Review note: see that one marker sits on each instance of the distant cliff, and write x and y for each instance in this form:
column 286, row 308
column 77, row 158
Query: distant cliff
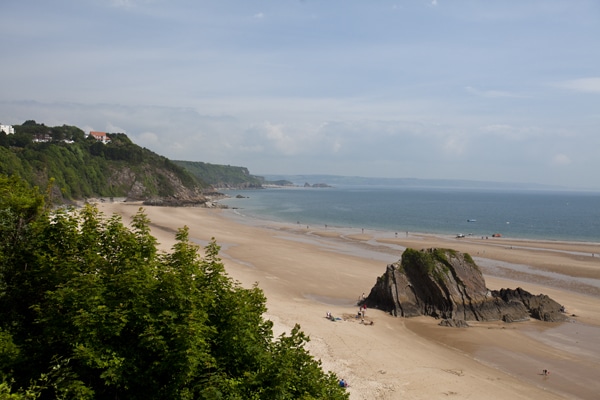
column 317, row 185
column 222, row 176
column 446, row 284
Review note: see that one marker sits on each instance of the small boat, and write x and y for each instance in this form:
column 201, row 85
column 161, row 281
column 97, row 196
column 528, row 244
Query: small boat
column 471, row 220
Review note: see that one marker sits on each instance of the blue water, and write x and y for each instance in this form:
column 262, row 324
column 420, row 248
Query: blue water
column 547, row 215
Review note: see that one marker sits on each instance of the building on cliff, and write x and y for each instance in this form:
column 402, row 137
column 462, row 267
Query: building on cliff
column 100, row 136
column 8, row 129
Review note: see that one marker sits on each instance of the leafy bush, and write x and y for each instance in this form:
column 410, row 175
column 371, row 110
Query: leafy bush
column 90, row 309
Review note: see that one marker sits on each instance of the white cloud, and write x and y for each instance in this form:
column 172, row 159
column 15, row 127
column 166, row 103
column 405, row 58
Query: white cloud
column 122, row 3
column 499, row 128
column 128, row 4
column 589, row 85
column 274, row 131
column 491, row 93
column 149, row 138
column 455, row 146
column 513, row 133
column 561, row 159
column 110, row 127
column 277, row 136
column 337, row 145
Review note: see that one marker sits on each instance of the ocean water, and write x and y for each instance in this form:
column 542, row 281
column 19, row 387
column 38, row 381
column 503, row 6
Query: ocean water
column 573, row 216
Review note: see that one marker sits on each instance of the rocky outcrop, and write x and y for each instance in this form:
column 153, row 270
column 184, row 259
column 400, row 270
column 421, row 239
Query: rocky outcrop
column 454, row 323
column 446, row 284
column 316, row 185
column 155, row 186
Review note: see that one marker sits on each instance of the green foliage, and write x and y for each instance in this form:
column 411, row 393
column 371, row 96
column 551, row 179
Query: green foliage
column 433, row 262
column 89, row 309
column 9, row 351
column 296, row 374
column 415, row 257
column 469, row 259
column 83, row 167
column 20, row 205
column 32, row 129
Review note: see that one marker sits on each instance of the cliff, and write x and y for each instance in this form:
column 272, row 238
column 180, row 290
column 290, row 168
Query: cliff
column 446, row 284
column 80, row 167
column 222, row 176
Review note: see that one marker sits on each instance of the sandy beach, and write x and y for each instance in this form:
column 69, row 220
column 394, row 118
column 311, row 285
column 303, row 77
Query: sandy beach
column 307, row 271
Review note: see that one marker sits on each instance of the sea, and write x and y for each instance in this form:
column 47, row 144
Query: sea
column 518, row 213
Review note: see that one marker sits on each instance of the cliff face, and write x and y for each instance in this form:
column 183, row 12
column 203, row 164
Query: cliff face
column 222, row 176
column 447, row 284
column 154, row 186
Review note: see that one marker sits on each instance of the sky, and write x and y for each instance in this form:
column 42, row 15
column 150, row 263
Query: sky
column 504, row 91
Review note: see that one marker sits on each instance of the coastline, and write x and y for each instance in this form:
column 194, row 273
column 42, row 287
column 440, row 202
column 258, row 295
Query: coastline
column 305, row 272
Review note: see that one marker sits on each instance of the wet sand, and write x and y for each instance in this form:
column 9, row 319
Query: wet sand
column 306, row 272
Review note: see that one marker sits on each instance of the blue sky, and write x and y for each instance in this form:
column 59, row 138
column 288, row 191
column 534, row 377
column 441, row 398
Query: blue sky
column 484, row 90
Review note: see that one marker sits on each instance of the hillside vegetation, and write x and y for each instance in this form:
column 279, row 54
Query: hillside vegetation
column 81, row 167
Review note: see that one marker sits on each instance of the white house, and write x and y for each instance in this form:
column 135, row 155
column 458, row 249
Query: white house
column 8, row 129
column 100, row 136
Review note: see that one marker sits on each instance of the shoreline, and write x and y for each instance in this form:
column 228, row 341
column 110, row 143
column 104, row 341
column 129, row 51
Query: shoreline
column 549, row 243
column 485, row 226
column 306, row 272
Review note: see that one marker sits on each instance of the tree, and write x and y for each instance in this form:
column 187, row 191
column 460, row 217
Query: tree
column 90, row 309
column 3, row 139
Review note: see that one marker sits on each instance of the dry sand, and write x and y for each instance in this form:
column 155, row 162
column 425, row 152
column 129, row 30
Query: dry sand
column 307, row 271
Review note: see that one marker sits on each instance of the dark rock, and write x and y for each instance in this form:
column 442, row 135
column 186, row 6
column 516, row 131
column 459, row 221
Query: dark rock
column 316, row 185
column 539, row 307
column 447, row 284
column 454, row 323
